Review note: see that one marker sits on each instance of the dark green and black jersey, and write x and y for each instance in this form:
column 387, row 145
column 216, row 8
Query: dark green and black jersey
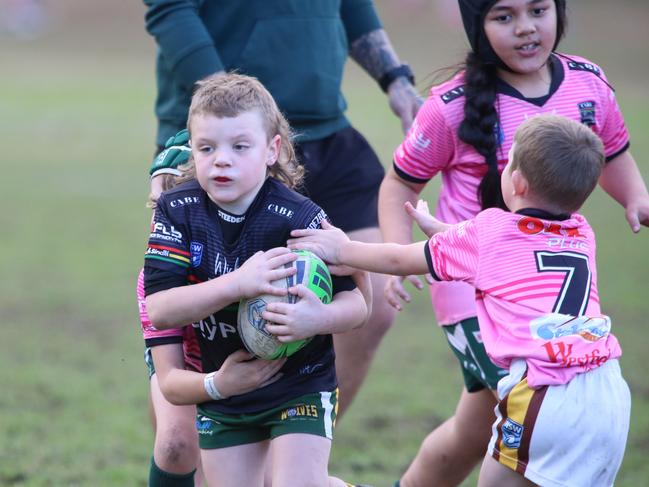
column 187, row 245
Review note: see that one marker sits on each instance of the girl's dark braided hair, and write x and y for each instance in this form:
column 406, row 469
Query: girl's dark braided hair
column 480, row 121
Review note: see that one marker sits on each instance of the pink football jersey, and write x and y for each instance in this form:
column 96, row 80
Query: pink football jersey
column 579, row 91
column 152, row 336
column 536, row 290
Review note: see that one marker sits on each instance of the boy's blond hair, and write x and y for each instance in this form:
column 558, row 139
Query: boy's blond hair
column 560, row 158
column 231, row 94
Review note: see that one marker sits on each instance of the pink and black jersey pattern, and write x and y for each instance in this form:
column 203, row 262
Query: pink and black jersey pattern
column 152, row 336
column 187, row 246
column 578, row 91
column 536, row 290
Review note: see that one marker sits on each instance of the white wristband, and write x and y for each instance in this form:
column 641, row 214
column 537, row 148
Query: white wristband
column 210, row 387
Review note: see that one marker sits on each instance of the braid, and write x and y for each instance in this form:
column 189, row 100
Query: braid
column 480, row 120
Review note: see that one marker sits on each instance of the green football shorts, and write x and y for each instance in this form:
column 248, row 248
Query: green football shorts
column 313, row 414
column 478, row 370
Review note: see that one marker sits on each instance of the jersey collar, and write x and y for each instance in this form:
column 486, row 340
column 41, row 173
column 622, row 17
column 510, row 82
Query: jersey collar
column 542, row 214
column 557, row 75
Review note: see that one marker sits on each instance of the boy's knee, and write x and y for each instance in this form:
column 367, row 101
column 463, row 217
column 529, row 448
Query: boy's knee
column 177, row 453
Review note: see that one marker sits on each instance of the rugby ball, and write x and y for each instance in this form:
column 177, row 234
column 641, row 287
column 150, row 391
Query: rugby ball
column 311, row 272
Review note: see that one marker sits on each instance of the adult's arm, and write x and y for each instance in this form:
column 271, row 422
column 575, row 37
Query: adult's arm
column 370, row 47
column 183, row 40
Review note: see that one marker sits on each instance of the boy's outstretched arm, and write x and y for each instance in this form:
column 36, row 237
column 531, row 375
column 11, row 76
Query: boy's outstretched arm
column 422, row 216
column 334, row 247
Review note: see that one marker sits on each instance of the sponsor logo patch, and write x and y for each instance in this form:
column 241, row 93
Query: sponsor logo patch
column 204, row 425
column 557, row 325
column 196, row 249
column 300, row 411
column 453, row 94
column 187, row 200
column 231, row 218
column 280, row 210
column 587, row 113
column 315, row 223
column 161, row 232
column 579, row 66
column 512, row 433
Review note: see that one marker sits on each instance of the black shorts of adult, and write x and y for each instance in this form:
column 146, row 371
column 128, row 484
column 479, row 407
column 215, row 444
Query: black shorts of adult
column 343, row 176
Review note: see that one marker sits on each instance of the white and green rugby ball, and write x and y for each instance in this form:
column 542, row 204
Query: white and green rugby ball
column 311, row 272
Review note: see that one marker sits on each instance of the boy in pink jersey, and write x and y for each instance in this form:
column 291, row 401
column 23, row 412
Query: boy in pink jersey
column 152, row 336
column 563, row 412
column 464, row 132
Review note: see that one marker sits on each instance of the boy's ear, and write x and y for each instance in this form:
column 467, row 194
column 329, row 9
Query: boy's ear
column 519, row 183
column 273, row 150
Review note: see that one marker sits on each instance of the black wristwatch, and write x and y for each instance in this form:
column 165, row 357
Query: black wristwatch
column 404, row 70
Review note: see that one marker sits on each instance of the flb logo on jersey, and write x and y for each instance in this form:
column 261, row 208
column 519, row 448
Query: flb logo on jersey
column 196, row 249
column 512, row 433
column 587, row 113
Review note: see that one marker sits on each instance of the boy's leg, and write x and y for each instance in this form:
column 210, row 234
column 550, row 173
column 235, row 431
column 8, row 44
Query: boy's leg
column 451, row 451
column 449, row 454
column 494, row 474
column 300, row 459
column 175, row 449
column 235, row 466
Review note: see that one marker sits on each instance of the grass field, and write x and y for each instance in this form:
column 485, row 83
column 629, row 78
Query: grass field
column 76, row 134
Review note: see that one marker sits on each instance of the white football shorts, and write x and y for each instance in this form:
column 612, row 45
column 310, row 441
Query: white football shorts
column 570, row 435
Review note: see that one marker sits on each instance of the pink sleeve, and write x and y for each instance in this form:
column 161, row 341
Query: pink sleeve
column 429, row 144
column 613, row 133
column 453, row 254
column 148, row 330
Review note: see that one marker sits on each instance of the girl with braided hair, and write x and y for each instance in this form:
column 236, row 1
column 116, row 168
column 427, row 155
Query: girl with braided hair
column 464, row 132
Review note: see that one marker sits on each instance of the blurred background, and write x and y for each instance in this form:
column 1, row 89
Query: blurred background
column 76, row 139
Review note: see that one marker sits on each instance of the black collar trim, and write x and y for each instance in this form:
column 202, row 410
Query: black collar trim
column 542, row 214
column 556, row 73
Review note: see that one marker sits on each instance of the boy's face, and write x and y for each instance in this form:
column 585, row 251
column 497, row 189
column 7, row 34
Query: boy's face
column 232, row 156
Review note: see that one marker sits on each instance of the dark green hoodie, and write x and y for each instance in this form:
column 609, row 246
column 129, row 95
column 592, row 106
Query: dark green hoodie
column 297, row 49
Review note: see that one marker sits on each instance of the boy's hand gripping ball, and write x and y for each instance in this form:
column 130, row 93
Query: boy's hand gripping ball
column 311, row 272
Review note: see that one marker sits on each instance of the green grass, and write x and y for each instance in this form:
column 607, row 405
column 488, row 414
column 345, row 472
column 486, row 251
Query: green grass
column 76, row 134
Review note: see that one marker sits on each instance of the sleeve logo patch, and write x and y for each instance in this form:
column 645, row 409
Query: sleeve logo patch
column 453, row 94
column 577, row 66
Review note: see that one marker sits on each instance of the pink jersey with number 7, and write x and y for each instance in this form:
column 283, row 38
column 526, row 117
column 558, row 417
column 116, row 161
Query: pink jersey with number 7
column 536, row 290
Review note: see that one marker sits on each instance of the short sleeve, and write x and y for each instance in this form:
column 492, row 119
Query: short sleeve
column 453, row 255
column 429, row 145
column 167, row 255
column 613, row 133
column 359, row 17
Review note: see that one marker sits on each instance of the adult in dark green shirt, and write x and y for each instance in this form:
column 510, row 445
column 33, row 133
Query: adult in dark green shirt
column 297, row 49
